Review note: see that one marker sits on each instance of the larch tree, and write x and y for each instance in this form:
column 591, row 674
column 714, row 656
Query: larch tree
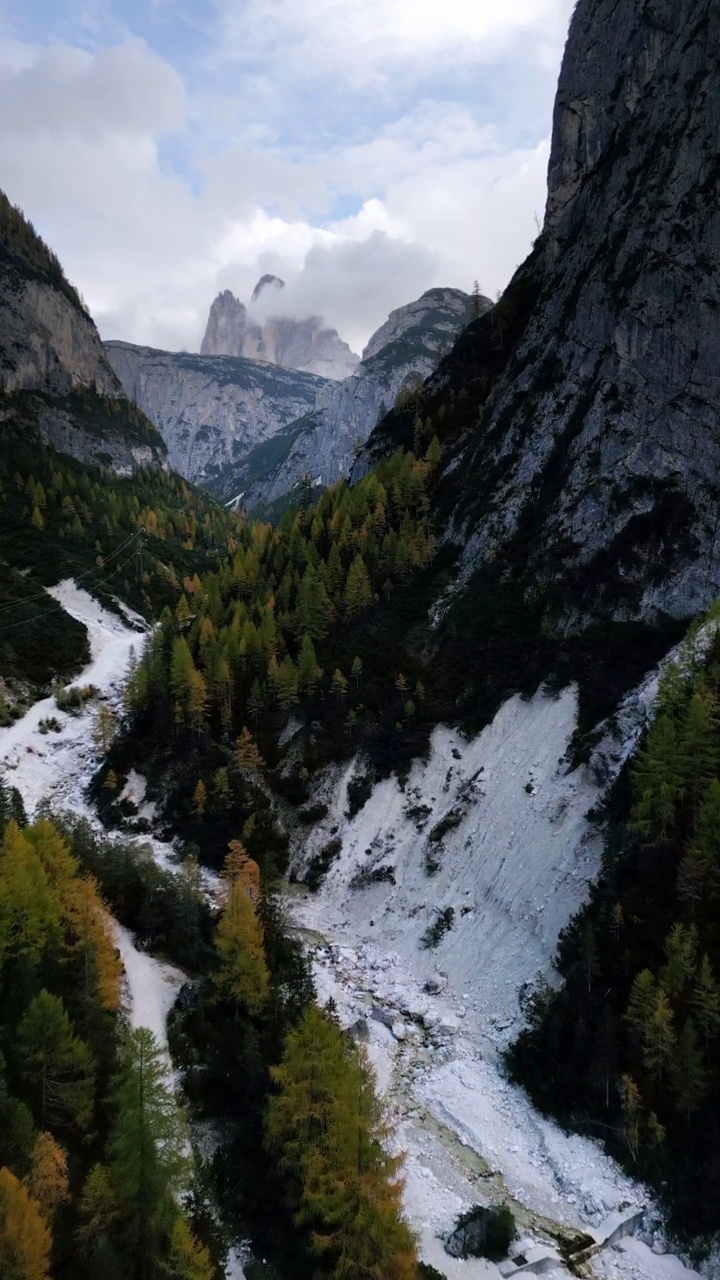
column 48, row 1181
column 25, row 1239
column 242, row 976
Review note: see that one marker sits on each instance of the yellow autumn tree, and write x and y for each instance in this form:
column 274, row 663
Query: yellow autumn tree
column 25, row 1239
column 189, row 1259
column 242, row 974
column 240, row 868
column 48, row 1181
column 90, row 938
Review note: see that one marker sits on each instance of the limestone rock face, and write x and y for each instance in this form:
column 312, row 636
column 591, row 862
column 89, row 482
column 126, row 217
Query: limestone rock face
column 403, row 351
column 211, row 410
column 306, row 345
column 594, row 469
column 53, row 369
column 227, row 326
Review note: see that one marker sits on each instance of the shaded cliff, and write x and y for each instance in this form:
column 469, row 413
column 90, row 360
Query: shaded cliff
column 592, row 468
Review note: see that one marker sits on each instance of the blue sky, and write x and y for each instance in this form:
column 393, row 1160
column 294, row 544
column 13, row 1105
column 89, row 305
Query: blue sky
column 363, row 149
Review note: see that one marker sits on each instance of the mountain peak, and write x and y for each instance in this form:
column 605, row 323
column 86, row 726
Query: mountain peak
column 266, row 282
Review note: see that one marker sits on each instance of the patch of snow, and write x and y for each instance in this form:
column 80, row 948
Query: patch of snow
column 501, row 822
column 152, row 986
column 50, row 765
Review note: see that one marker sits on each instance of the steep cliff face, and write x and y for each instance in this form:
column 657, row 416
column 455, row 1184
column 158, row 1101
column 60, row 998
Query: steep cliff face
column 592, row 470
column 402, row 352
column 211, row 410
column 53, row 369
column 306, row 345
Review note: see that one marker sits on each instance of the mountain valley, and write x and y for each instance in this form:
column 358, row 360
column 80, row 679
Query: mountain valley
column 360, row 748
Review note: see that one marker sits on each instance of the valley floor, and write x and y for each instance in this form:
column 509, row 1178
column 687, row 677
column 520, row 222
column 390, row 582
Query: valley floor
column 470, row 1136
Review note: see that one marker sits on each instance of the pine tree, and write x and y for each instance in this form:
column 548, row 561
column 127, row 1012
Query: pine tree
column 681, row 950
column 308, row 669
column 338, row 685
column 705, row 1000
column 242, row 974
column 356, row 670
column 689, row 1078
column 657, row 779
column 328, row 1130
column 642, row 1000
column 146, row 1162
column 287, row 684
column 29, row 915
column 358, row 591
column 55, row 1063
column 240, row 868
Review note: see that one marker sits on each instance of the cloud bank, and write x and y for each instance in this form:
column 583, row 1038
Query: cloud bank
column 362, row 152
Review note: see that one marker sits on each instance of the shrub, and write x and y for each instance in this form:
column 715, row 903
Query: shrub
column 312, row 813
column 448, row 823
column 483, row 1233
column 359, row 792
column 73, row 699
column 437, row 930
column 321, row 862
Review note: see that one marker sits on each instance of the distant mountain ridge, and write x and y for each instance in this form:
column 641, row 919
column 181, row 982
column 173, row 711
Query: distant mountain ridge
column 211, row 410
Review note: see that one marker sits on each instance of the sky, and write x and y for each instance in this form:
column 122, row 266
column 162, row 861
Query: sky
column 364, row 150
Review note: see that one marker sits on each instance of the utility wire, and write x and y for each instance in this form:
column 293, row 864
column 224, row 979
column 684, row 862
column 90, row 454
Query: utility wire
column 24, row 622
column 80, row 577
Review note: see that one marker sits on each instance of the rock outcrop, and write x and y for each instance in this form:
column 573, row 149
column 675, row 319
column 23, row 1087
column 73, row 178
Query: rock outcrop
column 592, row 472
column 53, row 367
column 306, row 345
column 403, row 352
column 212, row 410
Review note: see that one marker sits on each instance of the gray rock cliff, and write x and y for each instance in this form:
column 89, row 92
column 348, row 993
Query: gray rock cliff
column 403, row 351
column 306, row 345
column 211, row 410
column 53, row 368
column 593, row 471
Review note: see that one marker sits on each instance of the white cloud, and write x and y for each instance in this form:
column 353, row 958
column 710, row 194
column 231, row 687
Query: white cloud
column 155, row 197
column 363, row 41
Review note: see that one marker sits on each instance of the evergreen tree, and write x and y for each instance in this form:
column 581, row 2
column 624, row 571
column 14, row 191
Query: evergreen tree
column 689, row 1078
column 657, row 777
column 358, row 592
column 146, row 1161
column 55, row 1063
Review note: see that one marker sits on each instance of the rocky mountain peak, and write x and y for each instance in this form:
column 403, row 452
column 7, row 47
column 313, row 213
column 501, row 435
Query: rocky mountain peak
column 265, row 282
column 226, row 326
column 306, row 345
